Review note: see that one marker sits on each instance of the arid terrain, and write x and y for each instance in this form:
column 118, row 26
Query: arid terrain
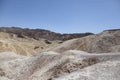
column 27, row 54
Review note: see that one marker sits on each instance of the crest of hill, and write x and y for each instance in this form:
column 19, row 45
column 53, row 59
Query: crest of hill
column 41, row 33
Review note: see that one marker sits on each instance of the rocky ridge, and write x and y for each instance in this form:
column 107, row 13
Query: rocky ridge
column 41, row 33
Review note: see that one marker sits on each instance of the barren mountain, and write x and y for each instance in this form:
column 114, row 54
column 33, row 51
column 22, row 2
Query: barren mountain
column 41, row 33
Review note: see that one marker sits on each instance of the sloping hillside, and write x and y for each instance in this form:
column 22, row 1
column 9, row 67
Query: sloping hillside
column 24, row 46
column 107, row 41
column 72, row 65
column 94, row 57
column 31, row 41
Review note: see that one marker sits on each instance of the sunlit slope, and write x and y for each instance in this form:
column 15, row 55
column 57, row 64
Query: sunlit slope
column 24, row 46
column 107, row 41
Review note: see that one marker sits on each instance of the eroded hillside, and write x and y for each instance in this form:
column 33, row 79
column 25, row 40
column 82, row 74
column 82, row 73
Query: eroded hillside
column 31, row 41
column 107, row 41
column 72, row 65
column 94, row 57
column 24, row 46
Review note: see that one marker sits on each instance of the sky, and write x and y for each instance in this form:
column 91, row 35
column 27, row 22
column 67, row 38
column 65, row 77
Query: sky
column 62, row 16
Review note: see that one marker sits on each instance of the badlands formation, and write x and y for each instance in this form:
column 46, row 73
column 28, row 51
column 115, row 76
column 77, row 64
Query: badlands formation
column 93, row 57
column 24, row 46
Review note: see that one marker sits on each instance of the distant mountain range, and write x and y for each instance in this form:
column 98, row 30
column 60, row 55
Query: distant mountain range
column 41, row 33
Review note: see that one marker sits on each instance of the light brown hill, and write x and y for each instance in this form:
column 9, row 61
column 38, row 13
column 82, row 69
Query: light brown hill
column 24, row 46
column 107, row 41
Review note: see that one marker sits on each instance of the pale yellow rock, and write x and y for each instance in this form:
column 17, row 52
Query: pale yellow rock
column 23, row 46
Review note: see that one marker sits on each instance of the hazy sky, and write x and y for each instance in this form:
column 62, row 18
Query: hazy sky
column 64, row 16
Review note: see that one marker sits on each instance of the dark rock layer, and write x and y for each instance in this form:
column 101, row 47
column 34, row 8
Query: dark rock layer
column 41, row 33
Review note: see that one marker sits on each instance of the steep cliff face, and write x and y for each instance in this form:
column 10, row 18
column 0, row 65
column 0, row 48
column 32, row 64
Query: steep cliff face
column 41, row 33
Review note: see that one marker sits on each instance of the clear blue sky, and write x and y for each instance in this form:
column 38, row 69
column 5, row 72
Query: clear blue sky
column 64, row 16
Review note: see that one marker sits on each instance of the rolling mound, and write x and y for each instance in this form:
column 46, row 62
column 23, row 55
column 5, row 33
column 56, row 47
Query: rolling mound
column 72, row 65
column 107, row 41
